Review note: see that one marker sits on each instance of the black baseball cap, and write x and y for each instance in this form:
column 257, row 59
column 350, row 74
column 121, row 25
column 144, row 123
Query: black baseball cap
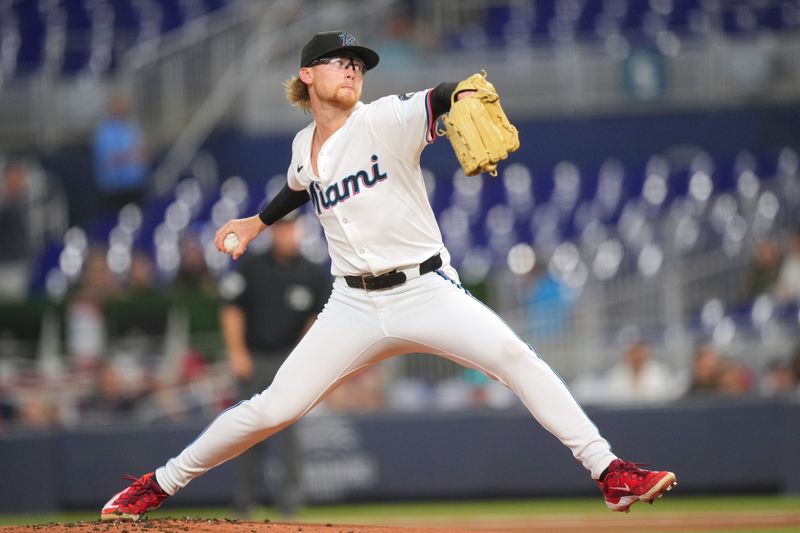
column 331, row 43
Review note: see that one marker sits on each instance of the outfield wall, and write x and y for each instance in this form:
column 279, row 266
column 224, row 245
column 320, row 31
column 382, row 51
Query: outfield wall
column 728, row 446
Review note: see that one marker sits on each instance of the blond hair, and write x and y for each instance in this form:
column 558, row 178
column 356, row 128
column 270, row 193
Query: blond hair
column 297, row 93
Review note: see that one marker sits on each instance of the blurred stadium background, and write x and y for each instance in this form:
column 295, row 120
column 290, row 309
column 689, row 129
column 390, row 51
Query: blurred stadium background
column 645, row 240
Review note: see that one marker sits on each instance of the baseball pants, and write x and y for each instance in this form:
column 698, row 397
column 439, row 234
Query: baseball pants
column 356, row 329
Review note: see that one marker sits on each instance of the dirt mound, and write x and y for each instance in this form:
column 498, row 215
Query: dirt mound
column 202, row 525
column 674, row 522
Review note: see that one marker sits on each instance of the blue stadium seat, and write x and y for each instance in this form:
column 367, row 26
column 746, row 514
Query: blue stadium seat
column 78, row 18
column 635, row 16
column 213, row 5
column 125, row 16
column 545, row 11
column 172, row 15
column 679, row 20
column 552, row 21
column 586, row 24
column 31, row 31
column 604, row 212
column 78, row 44
column 85, row 46
column 497, row 17
column 739, row 19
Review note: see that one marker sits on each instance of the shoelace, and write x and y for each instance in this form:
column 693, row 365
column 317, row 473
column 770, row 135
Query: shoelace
column 140, row 490
column 628, row 466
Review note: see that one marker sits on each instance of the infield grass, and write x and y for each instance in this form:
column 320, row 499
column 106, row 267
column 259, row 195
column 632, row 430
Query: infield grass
column 442, row 512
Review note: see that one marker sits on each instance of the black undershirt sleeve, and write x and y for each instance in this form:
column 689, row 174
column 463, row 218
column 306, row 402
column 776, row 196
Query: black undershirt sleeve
column 440, row 98
column 286, row 201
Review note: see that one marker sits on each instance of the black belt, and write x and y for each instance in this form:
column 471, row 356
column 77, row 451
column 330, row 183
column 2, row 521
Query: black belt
column 395, row 277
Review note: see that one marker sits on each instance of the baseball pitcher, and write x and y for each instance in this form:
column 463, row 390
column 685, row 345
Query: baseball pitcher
column 358, row 165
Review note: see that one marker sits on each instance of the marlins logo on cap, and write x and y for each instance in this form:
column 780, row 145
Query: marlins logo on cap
column 331, row 43
column 347, row 40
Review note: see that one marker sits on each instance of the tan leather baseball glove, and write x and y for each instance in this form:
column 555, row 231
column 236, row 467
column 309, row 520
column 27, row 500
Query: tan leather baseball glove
column 478, row 128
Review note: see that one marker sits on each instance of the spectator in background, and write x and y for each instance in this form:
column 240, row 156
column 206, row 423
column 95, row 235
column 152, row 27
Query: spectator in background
column 120, row 156
column 397, row 47
column 194, row 290
column 15, row 245
column 137, row 317
column 197, row 394
column 364, row 392
column 735, row 379
column 548, row 303
column 780, row 379
column 706, row 371
column 270, row 301
column 141, row 276
column 788, row 285
column 639, row 378
column 194, row 297
column 111, row 400
column 193, row 274
column 85, row 320
column 763, row 272
column 37, row 409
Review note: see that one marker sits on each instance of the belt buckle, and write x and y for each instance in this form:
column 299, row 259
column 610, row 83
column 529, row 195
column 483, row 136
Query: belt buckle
column 371, row 277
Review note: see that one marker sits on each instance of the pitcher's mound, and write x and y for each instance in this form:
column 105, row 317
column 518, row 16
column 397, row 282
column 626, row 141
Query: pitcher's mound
column 204, row 525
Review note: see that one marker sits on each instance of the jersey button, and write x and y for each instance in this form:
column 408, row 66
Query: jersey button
column 344, row 221
column 361, row 251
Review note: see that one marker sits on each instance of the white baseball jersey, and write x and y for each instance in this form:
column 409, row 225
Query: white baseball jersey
column 370, row 195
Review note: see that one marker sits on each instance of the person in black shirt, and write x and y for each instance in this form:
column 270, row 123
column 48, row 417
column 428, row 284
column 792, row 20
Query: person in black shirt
column 270, row 300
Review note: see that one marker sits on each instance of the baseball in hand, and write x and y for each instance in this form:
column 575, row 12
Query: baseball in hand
column 230, row 243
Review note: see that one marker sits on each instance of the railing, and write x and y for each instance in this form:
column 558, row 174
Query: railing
column 169, row 83
column 196, row 93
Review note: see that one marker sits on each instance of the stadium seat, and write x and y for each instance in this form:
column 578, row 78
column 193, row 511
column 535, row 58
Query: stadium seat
column 80, row 36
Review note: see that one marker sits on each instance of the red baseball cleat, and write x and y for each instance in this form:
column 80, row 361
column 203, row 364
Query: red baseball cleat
column 625, row 484
column 142, row 496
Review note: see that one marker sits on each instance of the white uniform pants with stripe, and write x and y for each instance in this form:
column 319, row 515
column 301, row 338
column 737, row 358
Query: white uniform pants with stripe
column 356, row 329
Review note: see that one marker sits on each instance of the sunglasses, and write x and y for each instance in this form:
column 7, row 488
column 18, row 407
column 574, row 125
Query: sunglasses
column 342, row 63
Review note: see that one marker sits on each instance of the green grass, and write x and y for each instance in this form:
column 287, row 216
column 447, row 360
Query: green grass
column 388, row 513
column 516, row 508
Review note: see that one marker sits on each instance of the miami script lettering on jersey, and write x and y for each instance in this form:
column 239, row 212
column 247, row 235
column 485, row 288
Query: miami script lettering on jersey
column 346, row 187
